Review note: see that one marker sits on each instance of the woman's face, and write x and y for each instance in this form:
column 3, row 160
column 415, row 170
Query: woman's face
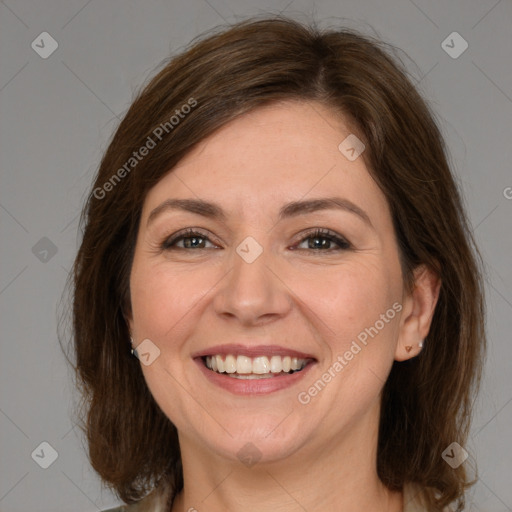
column 254, row 286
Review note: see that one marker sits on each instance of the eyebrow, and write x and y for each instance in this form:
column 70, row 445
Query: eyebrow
column 292, row 209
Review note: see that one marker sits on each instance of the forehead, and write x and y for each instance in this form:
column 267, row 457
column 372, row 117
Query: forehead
column 274, row 154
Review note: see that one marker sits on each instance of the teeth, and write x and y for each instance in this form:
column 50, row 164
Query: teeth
column 251, row 376
column 250, row 368
column 260, row 365
column 243, row 364
column 276, row 365
column 230, row 364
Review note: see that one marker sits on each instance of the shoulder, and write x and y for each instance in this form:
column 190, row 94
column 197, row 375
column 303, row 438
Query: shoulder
column 123, row 508
column 156, row 501
column 414, row 500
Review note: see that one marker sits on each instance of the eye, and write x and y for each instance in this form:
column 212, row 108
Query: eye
column 323, row 239
column 192, row 239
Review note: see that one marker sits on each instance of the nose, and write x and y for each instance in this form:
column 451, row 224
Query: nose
column 252, row 292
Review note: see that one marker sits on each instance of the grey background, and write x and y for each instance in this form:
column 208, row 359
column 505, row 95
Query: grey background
column 57, row 115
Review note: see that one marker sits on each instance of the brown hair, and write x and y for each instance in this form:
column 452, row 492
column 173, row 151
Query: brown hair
column 427, row 401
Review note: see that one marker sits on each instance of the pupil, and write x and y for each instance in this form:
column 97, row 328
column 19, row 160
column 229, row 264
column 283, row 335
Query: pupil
column 323, row 242
column 191, row 241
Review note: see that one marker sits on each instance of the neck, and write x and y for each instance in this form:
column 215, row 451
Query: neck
column 339, row 474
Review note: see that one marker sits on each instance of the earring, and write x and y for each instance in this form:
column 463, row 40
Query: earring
column 408, row 348
column 421, row 343
column 133, row 351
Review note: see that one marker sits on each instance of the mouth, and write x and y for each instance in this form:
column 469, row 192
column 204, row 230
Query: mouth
column 248, row 369
column 253, row 370
column 260, row 367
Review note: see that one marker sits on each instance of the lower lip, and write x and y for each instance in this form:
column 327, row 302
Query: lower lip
column 253, row 386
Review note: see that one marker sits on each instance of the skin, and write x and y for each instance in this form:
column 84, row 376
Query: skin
column 315, row 456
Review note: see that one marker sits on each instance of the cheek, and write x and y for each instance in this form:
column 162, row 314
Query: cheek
column 348, row 298
column 162, row 296
column 341, row 299
column 163, row 302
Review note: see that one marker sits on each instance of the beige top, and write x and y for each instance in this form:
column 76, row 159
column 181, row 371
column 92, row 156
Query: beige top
column 156, row 502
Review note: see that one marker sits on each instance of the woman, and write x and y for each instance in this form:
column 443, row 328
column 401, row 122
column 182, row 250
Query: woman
column 278, row 302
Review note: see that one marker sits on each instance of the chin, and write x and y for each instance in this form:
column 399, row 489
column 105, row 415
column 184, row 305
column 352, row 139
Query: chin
column 261, row 439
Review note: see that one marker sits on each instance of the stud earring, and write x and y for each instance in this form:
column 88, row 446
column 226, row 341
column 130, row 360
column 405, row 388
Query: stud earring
column 408, row 348
column 421, row 343
column 133, row 351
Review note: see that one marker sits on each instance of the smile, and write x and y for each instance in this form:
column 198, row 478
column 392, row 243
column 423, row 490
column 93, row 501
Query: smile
column 248, row 369
column 260, row 367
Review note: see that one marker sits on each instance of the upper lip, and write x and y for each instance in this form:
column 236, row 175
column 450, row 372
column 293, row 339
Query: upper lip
column 252, row 351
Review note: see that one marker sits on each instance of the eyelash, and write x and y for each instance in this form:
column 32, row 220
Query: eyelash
column 169, row 243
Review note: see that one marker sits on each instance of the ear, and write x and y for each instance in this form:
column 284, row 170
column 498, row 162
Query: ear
column 129, row 323
column 126, row 310
column 418, row 311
